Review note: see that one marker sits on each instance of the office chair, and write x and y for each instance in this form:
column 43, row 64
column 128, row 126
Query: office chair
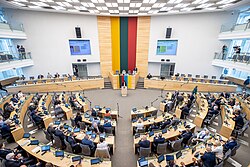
column 47, row 135
column 220, row 164
column 82, row 125
column 68, row 147
column 85, row 150
column 233, row 152
column 176, row 145
column 2, row 162
column 57, row 142
column 189, row 75
column 73, row 124
column 154, row 113
column 102, row 153
column 162, row 148
column 241, row 131
column 227, row 155
column 108, row 130
column 144, row 152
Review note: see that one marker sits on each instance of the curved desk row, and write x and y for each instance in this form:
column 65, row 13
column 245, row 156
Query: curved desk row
column 44, row 80
column 75, row 85
column 245, row 104
column 58, row 161
column 206, row 80
column 172, row 85
column 5, row 100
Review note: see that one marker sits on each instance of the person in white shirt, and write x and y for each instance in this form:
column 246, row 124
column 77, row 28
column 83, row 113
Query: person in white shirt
column 218, row 149
column 102, row 145
column 20, row 94
column 202, row 135
column 236, row 106
column 139, row 124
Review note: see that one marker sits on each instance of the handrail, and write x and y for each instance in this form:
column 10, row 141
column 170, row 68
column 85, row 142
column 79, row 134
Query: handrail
column 235, row 27
column 243, row 57
column 5, row 57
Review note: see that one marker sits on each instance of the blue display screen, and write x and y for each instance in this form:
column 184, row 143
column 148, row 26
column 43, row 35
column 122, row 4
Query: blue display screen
column 166, row 47
column 79, row 47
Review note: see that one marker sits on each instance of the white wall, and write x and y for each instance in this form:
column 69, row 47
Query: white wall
column 48, row 35
column 197, row 36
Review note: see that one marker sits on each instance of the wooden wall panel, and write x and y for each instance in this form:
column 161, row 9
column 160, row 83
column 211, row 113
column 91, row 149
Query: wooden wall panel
column 143, row 33
column 105, row 45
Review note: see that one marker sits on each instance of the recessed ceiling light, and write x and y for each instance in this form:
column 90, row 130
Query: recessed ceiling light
column 205, row 5
column 80, row 7
column 166, row 8
column 58, row 7
column 123, row 1
column 17, row 3
column 145, row 8
column 91, row 4
column 158, row 5
column 149, row 1
column 181, row 5
column 67, row 4
column 39, row 3
column 111, row 4
column 34, row 7
column 46, row 0
column 20, row 1
column 174, row 1
column 225, row 1
column 213, row 8
column 187, row 9
column 137, row 5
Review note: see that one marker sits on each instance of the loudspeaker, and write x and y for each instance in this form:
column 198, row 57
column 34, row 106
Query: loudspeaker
column 84, row 60
column 78, row 60
column 168, row 32
column 78, row 32
column 162, row 60
column 167, row 60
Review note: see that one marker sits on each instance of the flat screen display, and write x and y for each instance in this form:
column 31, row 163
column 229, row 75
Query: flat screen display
column 166, row 47
column 79, row 47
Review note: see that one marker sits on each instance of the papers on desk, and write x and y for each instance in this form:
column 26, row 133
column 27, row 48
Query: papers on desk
column 25, row 143
column 36, row 149
column 80, row 135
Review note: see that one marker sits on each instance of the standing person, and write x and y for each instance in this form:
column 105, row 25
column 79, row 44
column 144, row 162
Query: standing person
column 19, row 51
column 195, row 90
column 1, row 88
column 246, row 82
column 224, row 52
column 75, row 70
column 49, row 75
column 22, row 50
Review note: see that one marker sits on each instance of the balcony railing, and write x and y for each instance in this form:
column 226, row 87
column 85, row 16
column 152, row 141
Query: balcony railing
column 235, row 57
column 7, row 57
column 235, row 27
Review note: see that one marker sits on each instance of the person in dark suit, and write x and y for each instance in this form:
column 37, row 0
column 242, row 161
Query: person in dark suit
column 230, row 144
column 6, row 131
column 165, row 123
column 1, row 88
column 213, row 111
column 184, row 111
column 153, row 127
column 88, row 142
column 51, row 130
column 208, row 159
column 37, row 119
column 75, row 146
column 60, row 134
column 78, row 119
column 8, row 108
column 14, row 99
column 239, row 121
column 4, row 151
column 149, row 76
column 144, row 142
column 158, row 139
column 12, row 161
column 186, row 135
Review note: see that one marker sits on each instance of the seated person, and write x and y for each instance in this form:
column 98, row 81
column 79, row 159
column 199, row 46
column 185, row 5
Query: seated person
column 6, row 131
column 154, row 126
column 14, row 99
column 230, row 144
column 158, row 139
column 88, row 142
column 202, row 136
column 7, row 110
column 13, row 161
column 107, row 123
column 186, row 135
column 218, row 149
column 214, row 111
column 20, row 94
column 139, row 125
column 75, row 146
column 78, row 119
column 149, row 76
column 107, row 114
column 37, row 119
column 144, row 142
column 175, row 121
column 208, row 158
column 96, row 128
column 60, row 134
column 165, row 123
column 51, row 130
column 4, row 151
column 239, row 121
column 102, row 144
column 93, row 113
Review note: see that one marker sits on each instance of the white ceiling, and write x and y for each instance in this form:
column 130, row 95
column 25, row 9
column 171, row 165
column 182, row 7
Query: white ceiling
column 125, row 7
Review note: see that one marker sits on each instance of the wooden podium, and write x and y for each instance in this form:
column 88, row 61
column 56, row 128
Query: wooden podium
column 124, row 91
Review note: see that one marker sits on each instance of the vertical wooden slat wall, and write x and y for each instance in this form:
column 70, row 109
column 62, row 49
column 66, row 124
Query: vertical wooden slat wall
column 143, row 33
column 105, row 44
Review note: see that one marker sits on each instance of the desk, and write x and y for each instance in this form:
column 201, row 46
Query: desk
column 113, row 113
column 84, row 105
column 24, row 108
column 227, row 129
column 171, row 134
column 163, row 103
column 143, row 112
column 67, row 110
column 17, row 133
column 173, row 85
column 131, row 80
column 5, row 100
column 203, row 110
column 245, row 106
column 65, row 162
column 44, row 80
column 59, row 86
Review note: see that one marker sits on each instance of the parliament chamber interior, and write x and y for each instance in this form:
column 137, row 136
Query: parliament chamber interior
column 124, row 83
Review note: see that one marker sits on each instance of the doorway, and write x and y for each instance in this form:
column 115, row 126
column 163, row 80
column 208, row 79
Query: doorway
column 80, row 70
column 167, row 70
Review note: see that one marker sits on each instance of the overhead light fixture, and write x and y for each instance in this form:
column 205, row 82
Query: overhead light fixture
column 39, row 4
column 174, row 1
column 123, row 8
column 145, row 8
column 153, row 11
column 166, row 8
column 149, row 1
column 111, row 4
column 135, row 5
column 58, row 7
column 46, row 0
column 226, row 5
column 18, row 3
column 181, row 5
column 200, row 1
column 67, row 4
column 73, row 10
column 123, row 1
column 80, row 8
column 213, row 8
column 158, row 5
column 205, row 5
column 91, row 4
column 101, row 8
column 187, row 9
column 225, row 1
column 34, row 7
column 173, row 11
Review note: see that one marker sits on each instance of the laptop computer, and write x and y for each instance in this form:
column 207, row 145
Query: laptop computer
column 34, row 142
column 151, row 133
column 26, row 135
column 45, row 148
column 95, row 161
column 169, row 157
column 164, row 131
column 134, row 120
column 65, row 126
column 88, row 132
column 178, row 154
column 141, row 159
column 76, row 158
column 86, row 115
column 160, row 158
column 143, row 163
column 76, row 130
column 102, row 135
column 69, row 129
column 137, row 135
column 145, row 119
column 97, row 106
column 93, row 136
column 57, row 122
column 108, row 109
column 134, row 109
column 59, row 153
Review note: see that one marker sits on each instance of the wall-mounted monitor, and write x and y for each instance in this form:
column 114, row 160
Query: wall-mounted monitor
column 166, row 47
column 79, row 47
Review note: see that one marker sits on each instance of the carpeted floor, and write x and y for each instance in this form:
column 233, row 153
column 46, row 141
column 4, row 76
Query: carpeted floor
column 124, row 153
